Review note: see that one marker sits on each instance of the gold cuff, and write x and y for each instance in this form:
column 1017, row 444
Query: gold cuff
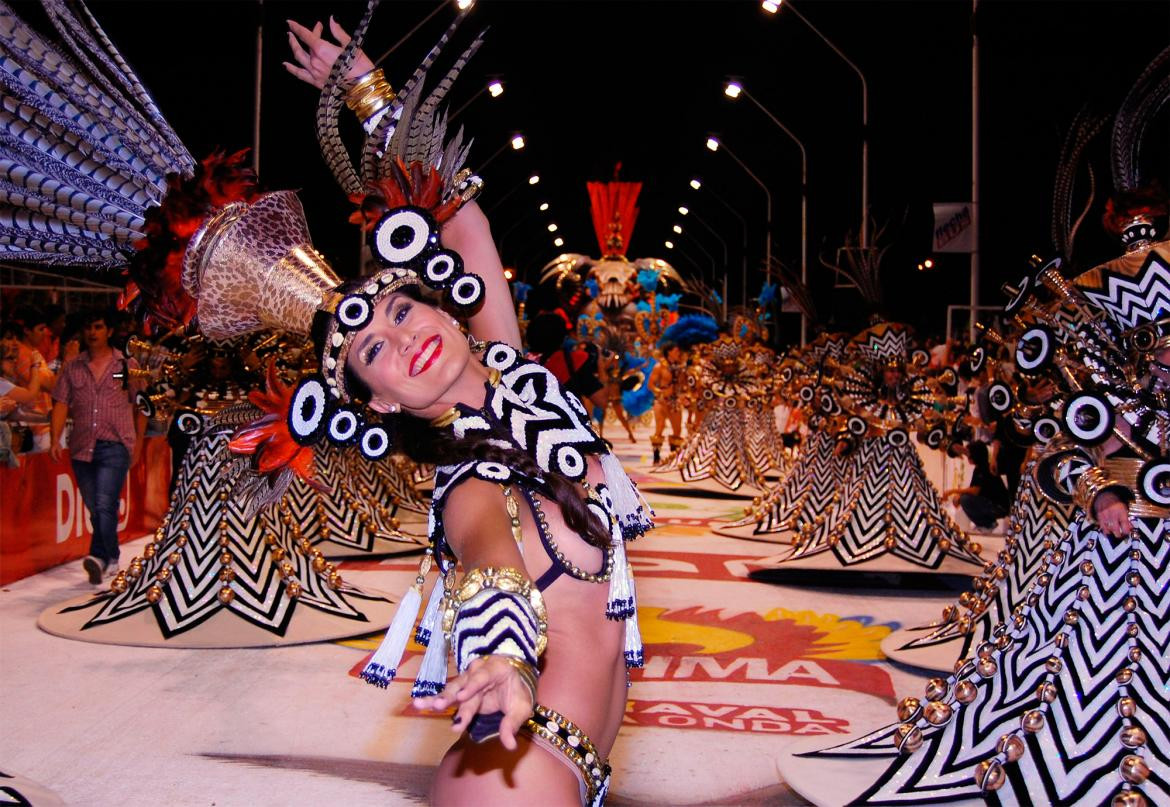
column 502, row 578
column 369, row 95
column 1090, row 485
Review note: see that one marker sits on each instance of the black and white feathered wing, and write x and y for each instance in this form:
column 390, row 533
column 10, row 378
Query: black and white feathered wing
column 84, row 152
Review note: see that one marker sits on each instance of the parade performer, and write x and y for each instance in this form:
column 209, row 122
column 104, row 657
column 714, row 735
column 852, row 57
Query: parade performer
column 1067, row 701
column 886, row 505
column 797, row 501
column 528, row 500
column 95, row 177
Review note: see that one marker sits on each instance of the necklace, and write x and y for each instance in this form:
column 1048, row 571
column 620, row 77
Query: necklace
column 568, row 567
column 453, row 414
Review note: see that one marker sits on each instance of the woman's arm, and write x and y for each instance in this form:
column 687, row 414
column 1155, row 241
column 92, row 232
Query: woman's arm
column 478, row 529
column 469, row 234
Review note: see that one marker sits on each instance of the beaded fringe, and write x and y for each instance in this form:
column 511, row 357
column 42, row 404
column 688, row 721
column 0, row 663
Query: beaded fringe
column 383, row 666
column 433, row 615
column 621, row 603
column 632, row 511
column 432, row 675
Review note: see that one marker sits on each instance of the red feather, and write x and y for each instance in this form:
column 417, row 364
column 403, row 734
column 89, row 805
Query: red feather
column 268, row 438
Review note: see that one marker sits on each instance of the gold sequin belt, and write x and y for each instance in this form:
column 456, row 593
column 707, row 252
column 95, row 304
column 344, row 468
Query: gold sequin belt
column 567, row 738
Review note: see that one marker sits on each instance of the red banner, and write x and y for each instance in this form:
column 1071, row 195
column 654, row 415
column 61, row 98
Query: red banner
column 43, row 522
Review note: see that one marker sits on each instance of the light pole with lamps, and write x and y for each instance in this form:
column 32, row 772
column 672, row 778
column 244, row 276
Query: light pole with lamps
column 532, row 180
column 495, row 87
column 714, row 144
column 697, row 184
column 462, row 5
column 516, row 224
column 517, row 143
column 733, row 89
column 722, row 244
column 772, row 6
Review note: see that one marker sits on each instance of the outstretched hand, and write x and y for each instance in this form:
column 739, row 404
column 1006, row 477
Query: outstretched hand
column 1112, row 515
column 490, row 684
column 315, row 55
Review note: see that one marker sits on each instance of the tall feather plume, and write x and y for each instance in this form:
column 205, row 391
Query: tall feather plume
column 1084, row 128
column 1148, row 94
column 799, row 291
column 329, row 107
column 84, row 153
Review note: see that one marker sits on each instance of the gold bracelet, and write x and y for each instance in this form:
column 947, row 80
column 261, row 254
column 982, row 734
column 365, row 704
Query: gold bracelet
column 369, row 94
column 1090, row 484
column 527, row 674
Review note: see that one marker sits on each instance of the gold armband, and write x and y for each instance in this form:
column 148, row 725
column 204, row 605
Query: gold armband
column 1090, row 485
column 369, row 95
column 504, row 579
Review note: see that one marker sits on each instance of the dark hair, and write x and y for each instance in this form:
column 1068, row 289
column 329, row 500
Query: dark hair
column 977, row 453
column 424, row 444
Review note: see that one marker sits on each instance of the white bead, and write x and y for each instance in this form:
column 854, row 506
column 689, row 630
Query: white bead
column 371, row 288
column 330, row 362
column 337, row 339
column 589, row 759
column 574, row 740
column 552, row 726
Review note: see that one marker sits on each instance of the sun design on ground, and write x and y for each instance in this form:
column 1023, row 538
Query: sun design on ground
column 780, row 634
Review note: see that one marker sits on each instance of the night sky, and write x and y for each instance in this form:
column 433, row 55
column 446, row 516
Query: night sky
column 592, row 84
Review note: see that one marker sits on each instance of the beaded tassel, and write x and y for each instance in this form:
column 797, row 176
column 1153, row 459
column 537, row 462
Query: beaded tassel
column 632, row 511
column 621, row 585
column 432, row 675
column 633, row 643
column 431, row 622
column 383, row 665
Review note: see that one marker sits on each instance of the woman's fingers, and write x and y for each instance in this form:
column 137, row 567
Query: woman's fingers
column 299, row 72
column 309, row 37
column 302, row 56
column 338, row 32
column 519, row 710
column 476, row 682
column 467, row 710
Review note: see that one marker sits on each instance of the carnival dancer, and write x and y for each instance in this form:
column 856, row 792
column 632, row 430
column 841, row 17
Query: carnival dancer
column 97, row 178
column 528, row 499
column 886, row 505
column 1067, row 701
column 797, row 501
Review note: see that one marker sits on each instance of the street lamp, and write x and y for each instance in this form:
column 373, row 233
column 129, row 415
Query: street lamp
column 696, row 183
column 732, row 82
column 677, row 230
column 543, row 206
column 534, row 179
column 714, row 143
column 463, row 6
column 772, row 6
column 517, row 143
column 668, row 244
column 558, row 242
column 552, row 227
column 494, row 87
column 682, row 211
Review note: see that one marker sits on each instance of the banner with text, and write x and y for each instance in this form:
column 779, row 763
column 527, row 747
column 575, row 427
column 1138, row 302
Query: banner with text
column 954, row 227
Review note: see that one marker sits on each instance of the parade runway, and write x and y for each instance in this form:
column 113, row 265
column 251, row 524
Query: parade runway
column 735, row 671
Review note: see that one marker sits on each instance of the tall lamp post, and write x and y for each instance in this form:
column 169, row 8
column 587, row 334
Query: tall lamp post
column 517, row 143
column 773, row 6
column 714, row 144
column 697, row 184
column 494, row 87
column 733, row 90
column 532, row 180
column 684, row 211
column 462, row 5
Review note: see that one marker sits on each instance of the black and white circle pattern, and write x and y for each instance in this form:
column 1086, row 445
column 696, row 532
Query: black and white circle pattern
column 144, row 404
column 856, row 426
column 807, row 394
column 189, row 422
column 1154, row 481
column 345, row 425
column 375, row 442
column 934, row 438
column 897, row 437
column 604, row 495
column 308, row 413
column 1035, row 349
column 1000, row 397
column 1088, row 418
column 354, row 312
column 403, row 235
column 442, row 269
column 1025, row 287
column 977, row 358
column 466, row 292
column 1044, row 429
column 501, row 357
column 568, row 461
column 493, row 471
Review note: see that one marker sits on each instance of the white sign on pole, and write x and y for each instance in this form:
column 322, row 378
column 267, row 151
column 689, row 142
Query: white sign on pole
column 954, row 227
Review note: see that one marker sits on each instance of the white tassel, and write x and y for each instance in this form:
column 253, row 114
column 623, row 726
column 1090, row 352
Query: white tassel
column 432, row 617
column 634, row 656
column 432, row 676
column 382, row 668
column 633, row 513
column 621, row 595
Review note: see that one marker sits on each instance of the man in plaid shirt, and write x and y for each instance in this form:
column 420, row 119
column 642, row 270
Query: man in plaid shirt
column 95, row 390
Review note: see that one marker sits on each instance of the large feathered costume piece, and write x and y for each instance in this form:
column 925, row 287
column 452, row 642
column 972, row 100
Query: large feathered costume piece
column 92, row 175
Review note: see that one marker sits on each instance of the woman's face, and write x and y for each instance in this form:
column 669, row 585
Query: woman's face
column 410, row 355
